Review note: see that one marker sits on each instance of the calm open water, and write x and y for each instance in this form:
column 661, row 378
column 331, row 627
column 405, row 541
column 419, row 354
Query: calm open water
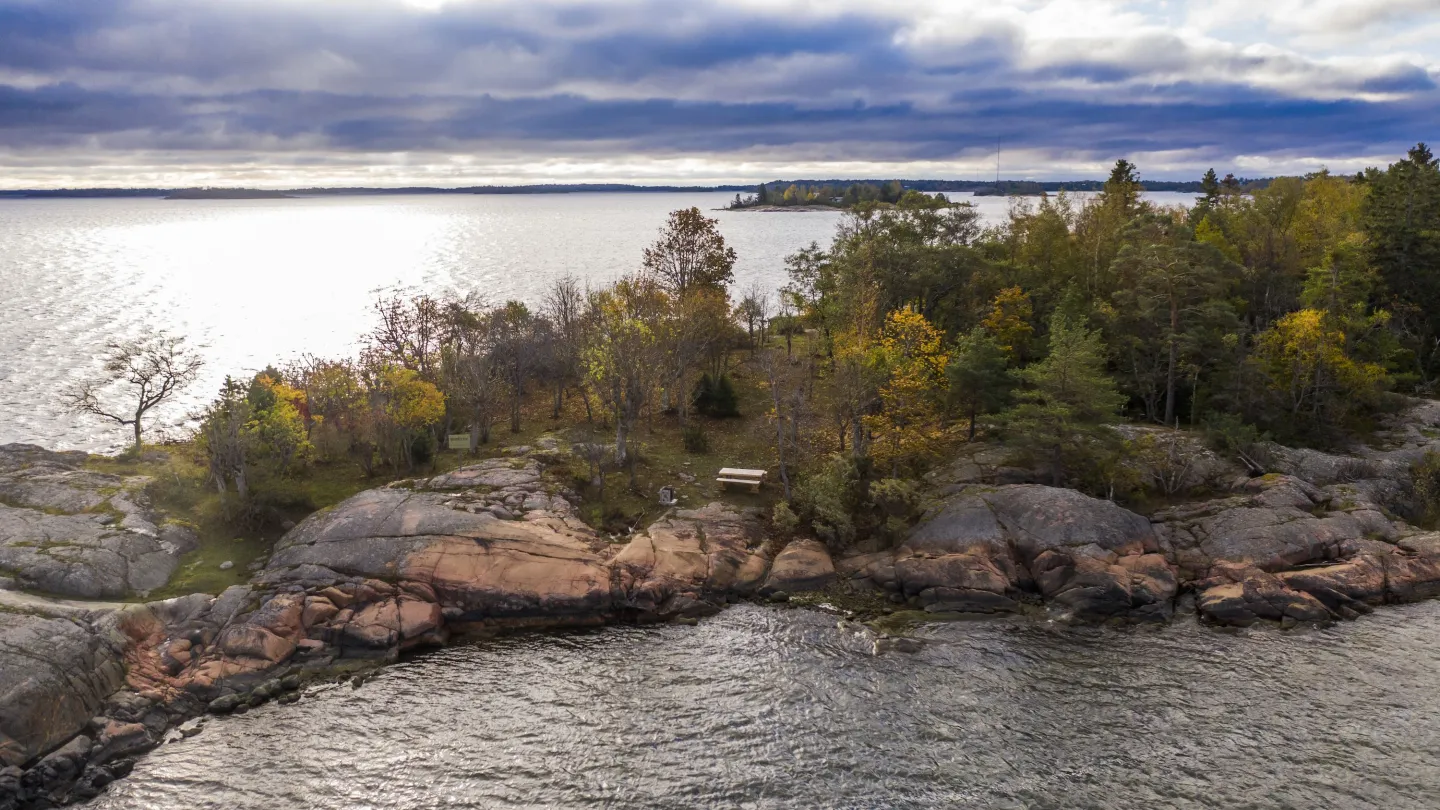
column 260, row 281
column 765, row 708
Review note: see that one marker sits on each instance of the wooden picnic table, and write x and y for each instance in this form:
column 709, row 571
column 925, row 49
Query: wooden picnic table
column 741, row 477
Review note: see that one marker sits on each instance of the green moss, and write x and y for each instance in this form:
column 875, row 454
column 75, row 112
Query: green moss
column 199, row 571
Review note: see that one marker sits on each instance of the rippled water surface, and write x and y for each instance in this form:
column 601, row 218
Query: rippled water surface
column 775, row 709
column 260, row 281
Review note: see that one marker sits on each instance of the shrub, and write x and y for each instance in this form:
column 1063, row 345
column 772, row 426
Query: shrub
column 1425, row 486
column 828, row 499
column 896, row 497
column 1228, row 433
column 703, row 397
column 422, row 448
column 784, row 521
column 723, row 402
column 695, row 439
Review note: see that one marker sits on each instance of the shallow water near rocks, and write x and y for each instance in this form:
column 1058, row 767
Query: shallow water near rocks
column 770, row 708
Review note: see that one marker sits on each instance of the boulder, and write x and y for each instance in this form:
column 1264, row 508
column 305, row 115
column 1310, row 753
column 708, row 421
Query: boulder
column 1278, row 522
column 497, row 473
column 703, row 554
column 485, row 567
column 55, row 674
column 803, row 565
column 984, row 549
column 1244, row 596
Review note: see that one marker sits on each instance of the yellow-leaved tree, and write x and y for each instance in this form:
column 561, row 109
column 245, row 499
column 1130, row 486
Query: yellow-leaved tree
column 403, row 408
column 912, row 354
column 1305, row 362
column 277, row 426
column 1009, row 321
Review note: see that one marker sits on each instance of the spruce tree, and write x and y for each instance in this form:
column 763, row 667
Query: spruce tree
column 1060, row 420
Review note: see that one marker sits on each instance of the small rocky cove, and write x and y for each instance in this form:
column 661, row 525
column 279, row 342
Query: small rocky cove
column 87, row 687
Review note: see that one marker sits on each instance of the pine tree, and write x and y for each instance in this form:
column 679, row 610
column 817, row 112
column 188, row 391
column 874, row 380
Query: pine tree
column 1401, row 220
column 1060, row 421
column 980, row 377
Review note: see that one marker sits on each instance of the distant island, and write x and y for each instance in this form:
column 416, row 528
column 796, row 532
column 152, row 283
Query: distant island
column 828, row 193
column 227, row 194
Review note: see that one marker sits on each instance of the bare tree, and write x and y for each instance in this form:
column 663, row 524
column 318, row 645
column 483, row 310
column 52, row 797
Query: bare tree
column 520, row 339
column 472, row 372
column 147, row 372
column 410, row 330
column 565, row 309
column 785, row 313
column 754, row 311
column 778, row 379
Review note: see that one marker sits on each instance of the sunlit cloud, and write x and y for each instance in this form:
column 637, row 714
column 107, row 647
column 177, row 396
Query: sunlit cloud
column 388, row 92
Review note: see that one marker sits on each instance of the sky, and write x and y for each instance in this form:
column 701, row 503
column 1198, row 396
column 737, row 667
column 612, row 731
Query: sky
column 291, row 93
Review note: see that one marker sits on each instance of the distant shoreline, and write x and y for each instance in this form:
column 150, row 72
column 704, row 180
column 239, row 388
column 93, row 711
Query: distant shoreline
column 787, row 208
column 228, row 194
column 957, row 186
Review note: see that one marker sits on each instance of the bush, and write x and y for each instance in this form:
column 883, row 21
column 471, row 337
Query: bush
column 896, row 497
column 422, row 448
column 695, row 439
column 715, row 398
column 784, row 521
column 828, row 500
column 1425, row 486
column 704, row 395
column 1229, row 434
column 723, row 402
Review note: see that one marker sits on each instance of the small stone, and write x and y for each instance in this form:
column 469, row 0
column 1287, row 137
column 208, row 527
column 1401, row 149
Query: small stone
column 689, row 621
column 779, row 596
column 227, row 565
column 224, row 703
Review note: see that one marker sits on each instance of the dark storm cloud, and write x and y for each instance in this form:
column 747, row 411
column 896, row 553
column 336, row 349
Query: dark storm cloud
column 659, row 78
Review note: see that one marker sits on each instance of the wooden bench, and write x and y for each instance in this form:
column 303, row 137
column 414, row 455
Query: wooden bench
column 750, row 478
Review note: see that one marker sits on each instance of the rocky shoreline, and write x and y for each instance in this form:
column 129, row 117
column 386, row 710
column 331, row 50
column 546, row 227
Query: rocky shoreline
column 86, row 687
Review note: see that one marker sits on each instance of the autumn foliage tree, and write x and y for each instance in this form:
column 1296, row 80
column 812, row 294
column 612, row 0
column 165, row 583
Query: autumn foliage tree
column 909, row 425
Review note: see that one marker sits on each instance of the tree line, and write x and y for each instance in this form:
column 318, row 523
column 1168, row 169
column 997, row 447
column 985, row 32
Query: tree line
column 1301, row 310
column 1297, row 311
column 831, row 195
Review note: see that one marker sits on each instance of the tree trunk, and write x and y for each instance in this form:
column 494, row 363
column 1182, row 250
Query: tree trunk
column 475, row 436
column 974, row 414
column 559, row 400
column 515, row 412
column 138, row 414
column 1170, row 367
column 620, row 431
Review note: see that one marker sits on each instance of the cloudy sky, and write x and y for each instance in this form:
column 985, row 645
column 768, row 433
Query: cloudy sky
column 395, row 92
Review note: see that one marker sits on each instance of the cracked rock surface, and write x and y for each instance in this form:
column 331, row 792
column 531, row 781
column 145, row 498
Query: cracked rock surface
column 76, row 533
